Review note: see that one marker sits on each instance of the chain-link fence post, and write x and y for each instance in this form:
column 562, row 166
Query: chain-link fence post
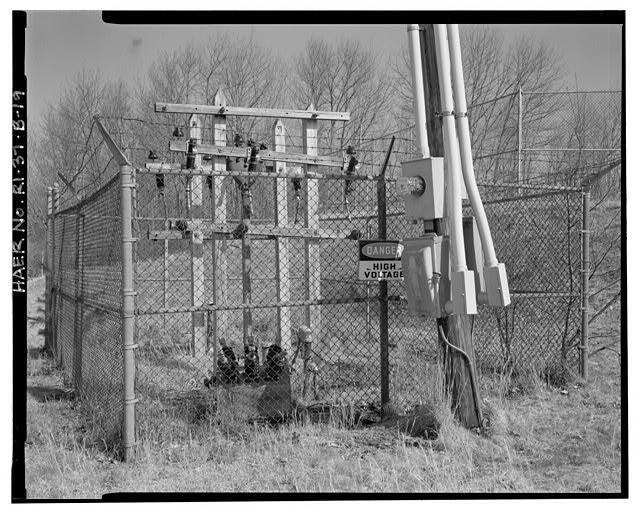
column 384, row 294
column 128, row 307
column 48, row 345
column 78, row 309
column 519, row 138
column 55, row 285
column 586, row 263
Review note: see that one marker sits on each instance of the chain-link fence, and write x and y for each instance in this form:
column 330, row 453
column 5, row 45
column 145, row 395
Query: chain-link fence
column 86, row 303
column 570, row 139
column 245, row 270
column 548, row 138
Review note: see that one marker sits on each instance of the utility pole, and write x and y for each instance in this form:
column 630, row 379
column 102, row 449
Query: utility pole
column 460, row 372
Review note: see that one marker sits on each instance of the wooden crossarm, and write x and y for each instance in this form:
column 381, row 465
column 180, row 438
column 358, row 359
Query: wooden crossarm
column 179, row 108
column 208, row 229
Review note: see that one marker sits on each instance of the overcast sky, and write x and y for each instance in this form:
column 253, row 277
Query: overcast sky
column 60, row 44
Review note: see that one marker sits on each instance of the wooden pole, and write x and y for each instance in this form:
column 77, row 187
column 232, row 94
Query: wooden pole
column 457, row 327
column 219, row 214
column 283, row 334
column 198, row 332
column 431, row 91
column 247, row 316
column 165, row 265
column 312, row 247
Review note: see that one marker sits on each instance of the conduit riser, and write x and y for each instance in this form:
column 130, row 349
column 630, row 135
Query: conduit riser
column 418, row 90
column 464, row 139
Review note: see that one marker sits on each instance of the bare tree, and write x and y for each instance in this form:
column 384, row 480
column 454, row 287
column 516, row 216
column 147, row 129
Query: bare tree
column 66, row 148
column 345, row 78
column 247, row 73
column 493, row 74
column 69, row 149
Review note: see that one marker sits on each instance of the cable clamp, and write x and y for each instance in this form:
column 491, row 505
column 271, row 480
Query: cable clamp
column 131, row 401
column 131, row 347
column 444, row 113
column 458, row 115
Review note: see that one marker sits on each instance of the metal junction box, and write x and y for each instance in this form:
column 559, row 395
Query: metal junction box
column 473, row 251
column 421, row 267
column 424, row 202
column 463, row 293
column 497, row 285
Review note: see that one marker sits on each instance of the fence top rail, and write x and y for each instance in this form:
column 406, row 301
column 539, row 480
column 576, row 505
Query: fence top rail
column 177, row 108
column 540, row 195
column 540, row 93
column 530, row 186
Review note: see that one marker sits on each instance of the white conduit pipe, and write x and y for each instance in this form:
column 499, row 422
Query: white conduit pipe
column 418, row 90
column 454, row 195
column 464, row 140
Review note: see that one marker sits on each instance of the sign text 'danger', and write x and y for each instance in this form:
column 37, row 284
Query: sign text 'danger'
column 381, row 250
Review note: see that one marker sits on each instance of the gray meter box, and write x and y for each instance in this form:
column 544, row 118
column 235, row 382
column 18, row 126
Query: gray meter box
column 430, row 204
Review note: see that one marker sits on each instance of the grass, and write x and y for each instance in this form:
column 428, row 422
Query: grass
column 541, row 439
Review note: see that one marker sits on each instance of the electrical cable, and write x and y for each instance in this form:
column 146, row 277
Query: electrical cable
column 467, row 359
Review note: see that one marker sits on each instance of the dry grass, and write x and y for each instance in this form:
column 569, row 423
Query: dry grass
column 541, row 439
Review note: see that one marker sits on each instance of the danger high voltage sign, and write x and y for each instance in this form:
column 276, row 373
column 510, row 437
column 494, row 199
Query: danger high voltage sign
column 380, row 260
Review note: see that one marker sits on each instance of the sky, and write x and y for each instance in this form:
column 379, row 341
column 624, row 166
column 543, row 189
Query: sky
column 60, row 43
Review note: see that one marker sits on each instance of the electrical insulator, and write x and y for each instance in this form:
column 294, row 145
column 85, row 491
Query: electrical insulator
column 352, row 167
column 251, row 361
column 191, row 154
column 247, row 157
column 160, row 183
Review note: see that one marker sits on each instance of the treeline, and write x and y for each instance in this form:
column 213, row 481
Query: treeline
column 337, row 75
